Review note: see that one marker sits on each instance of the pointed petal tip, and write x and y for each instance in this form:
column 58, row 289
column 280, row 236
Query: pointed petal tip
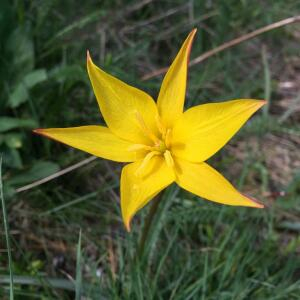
column 259, row 104
column 192, row 36
column 263, row 102
column 40, row 131
column 37, row 131
column 254, row 201
column 194, row 31
column 88, row 56
column 127, row 225
column 127, row 221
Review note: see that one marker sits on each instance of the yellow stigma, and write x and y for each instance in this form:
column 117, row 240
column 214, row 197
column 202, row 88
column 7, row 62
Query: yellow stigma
column 160, row 146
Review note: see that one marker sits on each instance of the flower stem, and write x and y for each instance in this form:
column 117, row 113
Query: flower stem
column 147, row 226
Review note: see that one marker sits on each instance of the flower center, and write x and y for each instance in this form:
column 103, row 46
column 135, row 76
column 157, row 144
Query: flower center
column 160, row 145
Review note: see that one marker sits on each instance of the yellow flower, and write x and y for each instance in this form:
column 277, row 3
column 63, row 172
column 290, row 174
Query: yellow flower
column 162, row 143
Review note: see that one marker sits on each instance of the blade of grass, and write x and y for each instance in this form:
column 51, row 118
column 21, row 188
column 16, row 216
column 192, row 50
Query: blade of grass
column 68, row 204
column 267, row 88
column 154, row 231
column 162, row 262
column 78, row 283
column 11, row 279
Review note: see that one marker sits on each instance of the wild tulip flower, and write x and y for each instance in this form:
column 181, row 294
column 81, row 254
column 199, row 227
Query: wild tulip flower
column 162, row 142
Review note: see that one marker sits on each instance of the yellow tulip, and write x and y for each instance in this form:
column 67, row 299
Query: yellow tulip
column 163, row 143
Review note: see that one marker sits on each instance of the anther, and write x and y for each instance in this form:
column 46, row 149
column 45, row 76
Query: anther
column 167, row 138
column 145, row 161
column 137, row 147
column 160, row 126
column 169, row 158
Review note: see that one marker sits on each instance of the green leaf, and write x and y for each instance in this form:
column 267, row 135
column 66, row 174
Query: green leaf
column 9, row 123
column 20, row 44
column 18, row 96
column 40, row 170
column 35, row 77
column 71, row 73
column 12, row 158
column 21, row 93
column 13, row 140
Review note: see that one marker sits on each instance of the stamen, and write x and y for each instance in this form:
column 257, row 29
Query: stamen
column 160, row 126
column 169, row 158
column 144, row 127
column 167, row 138
column 145, row 161
column 137, row 147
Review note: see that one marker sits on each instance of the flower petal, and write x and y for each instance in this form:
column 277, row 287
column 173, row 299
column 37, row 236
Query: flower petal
column 206, row 182
column 96, row 140
column 137, row 191
column 202, row 130
column 120, row 103
column 172, row 93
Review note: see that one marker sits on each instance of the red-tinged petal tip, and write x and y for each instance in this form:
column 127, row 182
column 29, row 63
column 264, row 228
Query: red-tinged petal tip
column 88, row 56
column 41, row 131
column 127, row 226
column 194, row 31
column 38, row 131
column 256, row 203
column 127, row 223
column 263, row 102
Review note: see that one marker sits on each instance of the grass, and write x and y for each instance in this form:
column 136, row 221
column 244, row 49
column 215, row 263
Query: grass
column 6, row 232
column 196, row 249
column 78, row 292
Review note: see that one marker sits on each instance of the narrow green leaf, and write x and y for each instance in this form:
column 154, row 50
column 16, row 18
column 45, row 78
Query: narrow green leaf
column 35, row 77
column 78, row 283
column 39, row 170
column 6, row 230
column 267, row 87
column 77, row 24
column 18, row 96
column 9, row 123
column 20, row 93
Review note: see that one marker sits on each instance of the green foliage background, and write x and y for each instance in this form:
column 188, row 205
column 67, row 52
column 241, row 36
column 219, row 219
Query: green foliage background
column 197, row 249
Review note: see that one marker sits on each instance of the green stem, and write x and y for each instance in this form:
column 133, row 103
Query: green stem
column 147, row 226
